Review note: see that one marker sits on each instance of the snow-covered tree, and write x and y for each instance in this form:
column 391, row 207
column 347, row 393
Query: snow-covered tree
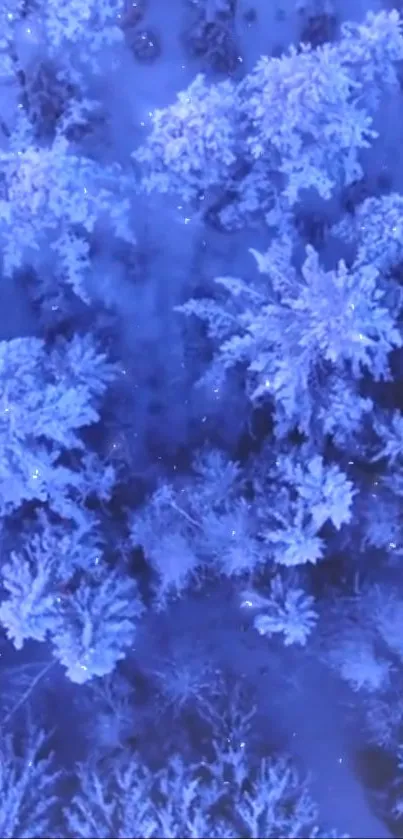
column 129, row 800
column 296, row 493
column 193, row 143
column 277, row 526
column 37, row 576
column 292, row 329
column 60, row 588
column 97, row 625
column 28, row 789
column 52, row 201
column 202, row 527
column 286, row 610
column 376, row 232
column 82, row 29
column 294, row 122
column 47, row 398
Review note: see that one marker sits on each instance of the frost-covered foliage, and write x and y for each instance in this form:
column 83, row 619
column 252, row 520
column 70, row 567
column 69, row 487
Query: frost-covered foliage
column 36, row 578
column 84, row 29
column 324, row 490
column 316, row 147
column 186, row 679
column 278, row 803
column 296, row 328
column 117, row 805
column 92, row 25
column 188, row 529
column 296, row 494
column 168, row 549
column 193, row 143
column 357, row 662
column 52, row 200
column 47, row 398
column 287, row 610
column 224, row 798
column 389, row 430
column 376, row 231
column 262, row 130
column 371, row 48
column 343, row 413
column 27, row 786
column 106, row 713
column 97, row 624
column 60, row 588
column 210, row 527
column 265, row 540
column 365, row 646
column 29, row 610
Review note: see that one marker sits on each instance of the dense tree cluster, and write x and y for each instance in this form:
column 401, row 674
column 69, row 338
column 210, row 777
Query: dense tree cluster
column 201, row 470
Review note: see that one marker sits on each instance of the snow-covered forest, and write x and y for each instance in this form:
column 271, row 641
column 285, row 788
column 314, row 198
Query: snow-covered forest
column 201, row 401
